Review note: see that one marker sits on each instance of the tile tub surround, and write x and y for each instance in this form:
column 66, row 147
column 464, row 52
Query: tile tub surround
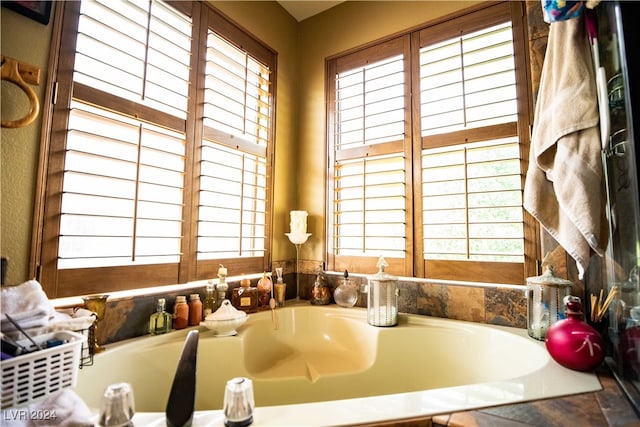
column 491, row 304
column 128, row 317
column 438, row 349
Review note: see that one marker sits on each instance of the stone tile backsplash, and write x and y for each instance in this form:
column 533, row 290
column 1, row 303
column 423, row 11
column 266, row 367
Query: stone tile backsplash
column 483, row 304
column 128, row 318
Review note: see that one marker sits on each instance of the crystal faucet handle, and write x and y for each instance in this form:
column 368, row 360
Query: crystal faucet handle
column 238, row 402
column 117, row 406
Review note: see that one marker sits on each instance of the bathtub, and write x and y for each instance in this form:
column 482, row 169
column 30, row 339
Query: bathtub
column 325, row 365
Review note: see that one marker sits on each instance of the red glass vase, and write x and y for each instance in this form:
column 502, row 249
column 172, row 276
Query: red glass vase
column 572, row 342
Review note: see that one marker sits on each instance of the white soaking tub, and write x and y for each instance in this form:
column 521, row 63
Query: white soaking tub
column 325, row 365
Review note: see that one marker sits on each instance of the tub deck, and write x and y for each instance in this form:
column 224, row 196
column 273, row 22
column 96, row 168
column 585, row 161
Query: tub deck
column 329, row 362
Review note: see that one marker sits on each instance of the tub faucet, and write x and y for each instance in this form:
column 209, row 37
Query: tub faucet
column 181, row 403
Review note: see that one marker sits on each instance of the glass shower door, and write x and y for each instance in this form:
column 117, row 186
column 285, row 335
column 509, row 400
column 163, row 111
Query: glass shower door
column 620, row 159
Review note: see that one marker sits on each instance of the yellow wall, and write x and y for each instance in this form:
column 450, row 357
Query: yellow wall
column 27, row 41
column 300, row 111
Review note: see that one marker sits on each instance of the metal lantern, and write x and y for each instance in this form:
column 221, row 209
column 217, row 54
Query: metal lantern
column 544, row 302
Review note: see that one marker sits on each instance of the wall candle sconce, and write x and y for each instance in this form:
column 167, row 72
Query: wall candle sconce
column 298, row 236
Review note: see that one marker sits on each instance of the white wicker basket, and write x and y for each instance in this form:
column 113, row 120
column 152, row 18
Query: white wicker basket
column 34, row 376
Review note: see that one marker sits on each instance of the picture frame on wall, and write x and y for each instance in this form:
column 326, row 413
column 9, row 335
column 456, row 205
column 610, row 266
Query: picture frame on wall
column 39, row 11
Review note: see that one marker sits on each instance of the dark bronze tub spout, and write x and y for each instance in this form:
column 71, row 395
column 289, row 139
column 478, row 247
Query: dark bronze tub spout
column 181, row 403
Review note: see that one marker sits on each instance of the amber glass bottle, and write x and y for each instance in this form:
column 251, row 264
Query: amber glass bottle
column 264, row 290
column 245, row 297
column 195, row 310
column 180, row 313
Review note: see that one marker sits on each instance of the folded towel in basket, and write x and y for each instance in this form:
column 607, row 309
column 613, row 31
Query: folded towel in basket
column 67, row 319
column 72, row 319
column 27, row 304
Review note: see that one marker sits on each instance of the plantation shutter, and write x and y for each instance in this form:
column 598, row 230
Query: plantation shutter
column 122, row 184
column 471, row 174
column 122, row 192
column 468, row 81
column 472, row 202
column 237, row 95
column 136, row 51
column 236, row 130
column 371, row 139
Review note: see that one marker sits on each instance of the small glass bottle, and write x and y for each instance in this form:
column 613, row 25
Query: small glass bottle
column 346, row 294
column 209, row 303
column 264, row 290
column 320, row 293
column 180, row 313
column 222, row 288
column 280, row 288
column 195, row 310
column 160, row 321
column 245, row 297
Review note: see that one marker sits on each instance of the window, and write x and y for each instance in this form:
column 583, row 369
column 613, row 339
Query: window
column 426, row 149
column 233, row 183
column 145, row 185
column 372, row 149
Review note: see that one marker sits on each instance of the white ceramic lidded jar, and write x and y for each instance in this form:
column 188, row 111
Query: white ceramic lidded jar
column 225, row 320
column 382, row 301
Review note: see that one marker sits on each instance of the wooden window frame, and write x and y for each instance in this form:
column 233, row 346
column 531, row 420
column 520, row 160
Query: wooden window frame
column 372, row 54
column 79, row 281
column 414, row 265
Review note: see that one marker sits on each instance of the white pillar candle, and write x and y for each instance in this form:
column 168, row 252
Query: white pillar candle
column 222, row 271
column 298, row 222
